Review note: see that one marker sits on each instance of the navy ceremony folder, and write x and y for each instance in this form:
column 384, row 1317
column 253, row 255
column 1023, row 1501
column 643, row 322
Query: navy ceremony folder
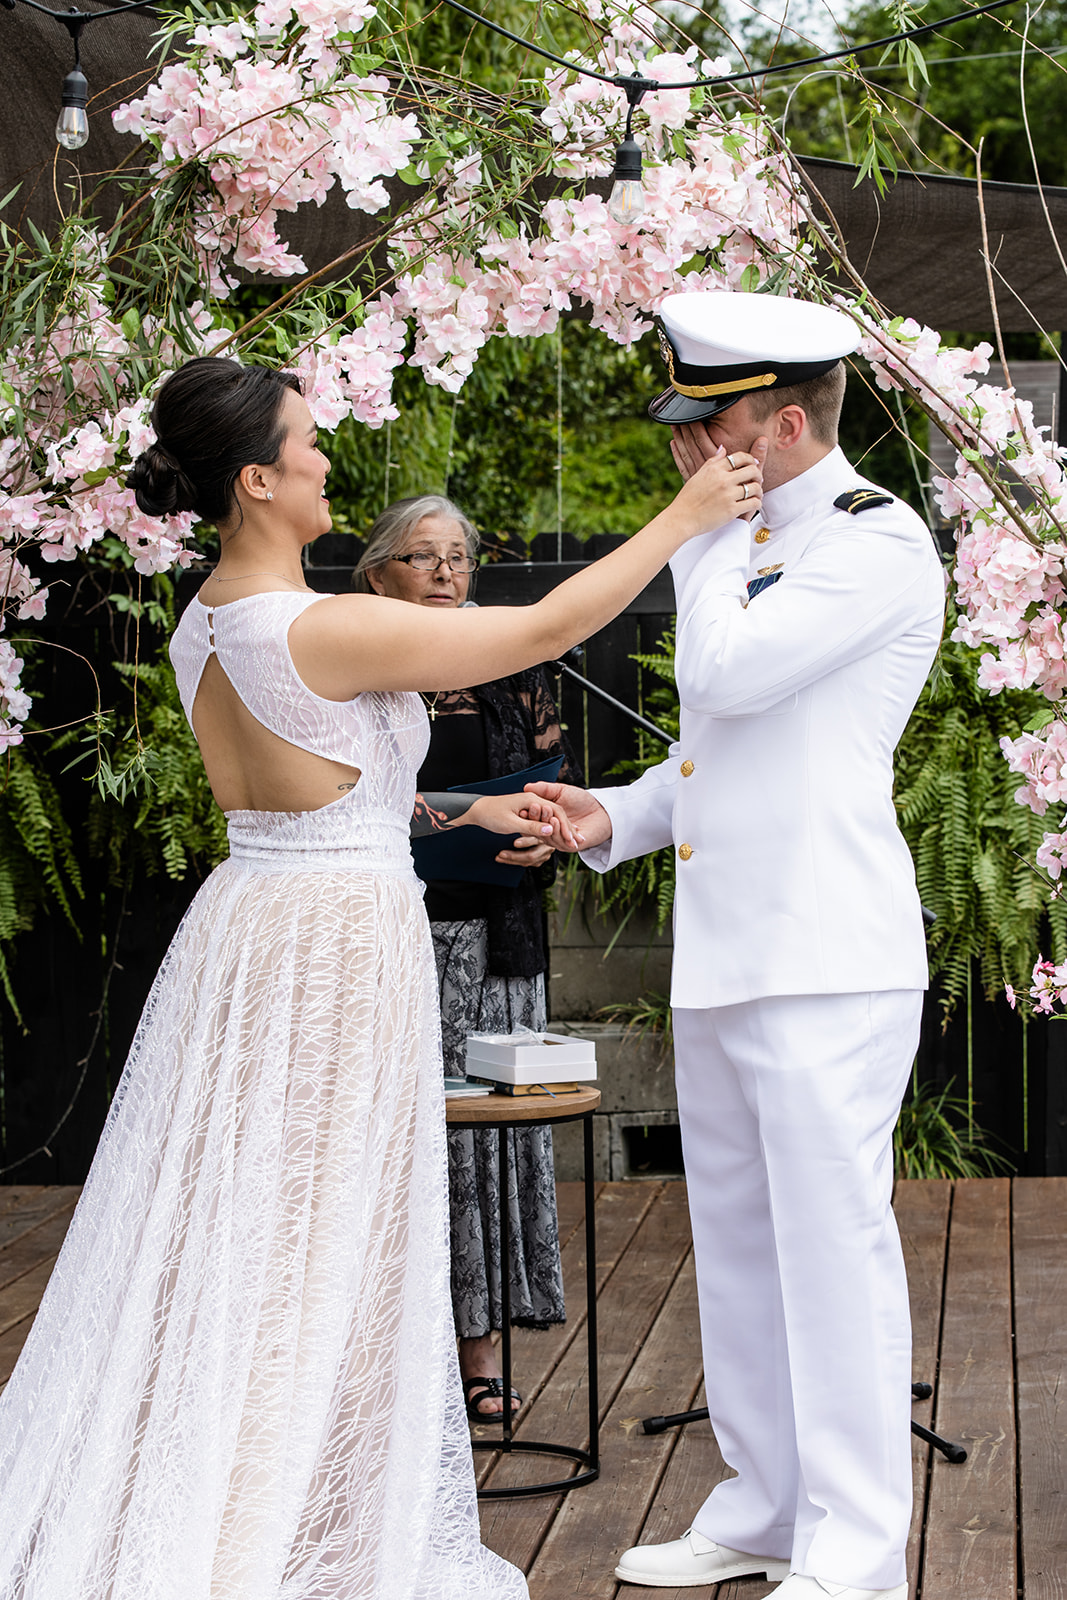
column 468, row 854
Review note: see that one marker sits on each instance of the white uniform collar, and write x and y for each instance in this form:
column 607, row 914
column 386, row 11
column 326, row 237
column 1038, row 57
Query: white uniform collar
column 815, row 488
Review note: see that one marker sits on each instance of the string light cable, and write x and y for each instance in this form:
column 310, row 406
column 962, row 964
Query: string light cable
column 620, row 80
column 626, row 201
column 72, row 128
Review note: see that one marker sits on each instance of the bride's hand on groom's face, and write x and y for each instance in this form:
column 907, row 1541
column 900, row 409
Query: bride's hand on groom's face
column 588, row 820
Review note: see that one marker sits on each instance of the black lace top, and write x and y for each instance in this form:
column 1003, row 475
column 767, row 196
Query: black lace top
column 521, row 726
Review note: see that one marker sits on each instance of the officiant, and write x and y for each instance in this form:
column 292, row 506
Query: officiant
column 490, row 943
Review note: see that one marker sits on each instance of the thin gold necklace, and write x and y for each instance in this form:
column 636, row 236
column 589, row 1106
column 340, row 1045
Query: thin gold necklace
column 244, row 576
column 431, row 705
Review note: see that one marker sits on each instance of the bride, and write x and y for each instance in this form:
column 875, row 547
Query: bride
column 242, row 1381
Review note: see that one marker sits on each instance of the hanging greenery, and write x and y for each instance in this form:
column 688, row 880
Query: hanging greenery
column 972, row 844
column 647, row 882
column 167, row 820
column 38, row 864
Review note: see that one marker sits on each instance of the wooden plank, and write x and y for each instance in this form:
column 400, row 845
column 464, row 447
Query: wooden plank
column 970, row 1548
column 922, row 1208
column 13, row 1195
column 696, row 1466
column 20, row 1299
column 627, row 1308
column 596, row 1524
column 11, row 1343
column 536, row 1354
column 30, row 1249
column 570, row 1208
column 36, row 1207
column 1040, row 1256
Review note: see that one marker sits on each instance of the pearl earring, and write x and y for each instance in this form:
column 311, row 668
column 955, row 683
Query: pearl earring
column 269, row 495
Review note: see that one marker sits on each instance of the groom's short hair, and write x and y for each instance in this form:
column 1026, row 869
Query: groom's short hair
column 819, row 398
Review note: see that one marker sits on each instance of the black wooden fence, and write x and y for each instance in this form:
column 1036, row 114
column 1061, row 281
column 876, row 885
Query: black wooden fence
column 81, row 997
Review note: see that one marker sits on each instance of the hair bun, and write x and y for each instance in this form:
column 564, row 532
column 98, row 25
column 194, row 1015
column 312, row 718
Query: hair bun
column 160, row 486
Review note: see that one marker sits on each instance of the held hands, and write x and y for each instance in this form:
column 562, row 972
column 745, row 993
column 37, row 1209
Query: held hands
column 536, row 820
column 589, row 822
column 718, row 487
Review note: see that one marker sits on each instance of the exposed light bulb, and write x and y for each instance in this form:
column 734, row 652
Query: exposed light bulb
column 72, row 129
column 627, row 200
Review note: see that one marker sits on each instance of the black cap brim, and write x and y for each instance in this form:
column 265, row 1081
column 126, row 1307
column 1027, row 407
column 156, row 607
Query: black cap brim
column 676, row 409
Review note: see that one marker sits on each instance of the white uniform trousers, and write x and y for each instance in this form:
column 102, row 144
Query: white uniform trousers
column 787, row 1107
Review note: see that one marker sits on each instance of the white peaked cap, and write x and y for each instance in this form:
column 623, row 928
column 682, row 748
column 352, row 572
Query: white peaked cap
column 720, row 345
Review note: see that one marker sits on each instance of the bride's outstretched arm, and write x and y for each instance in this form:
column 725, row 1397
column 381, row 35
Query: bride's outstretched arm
column 354, row 643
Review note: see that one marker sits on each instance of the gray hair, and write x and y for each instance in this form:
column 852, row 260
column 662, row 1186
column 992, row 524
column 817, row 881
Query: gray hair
column 392, row 528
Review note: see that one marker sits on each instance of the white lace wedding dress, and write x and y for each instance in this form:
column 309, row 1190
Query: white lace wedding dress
column 242, row 1382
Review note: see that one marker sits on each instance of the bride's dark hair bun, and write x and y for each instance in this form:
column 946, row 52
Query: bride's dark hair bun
column 159, row 485
column 211, row 418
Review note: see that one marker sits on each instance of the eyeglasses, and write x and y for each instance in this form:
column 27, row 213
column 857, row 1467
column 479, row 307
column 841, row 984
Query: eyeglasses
column 426, row 561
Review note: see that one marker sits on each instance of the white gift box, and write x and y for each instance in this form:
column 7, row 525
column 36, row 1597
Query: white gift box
column 531, row 1058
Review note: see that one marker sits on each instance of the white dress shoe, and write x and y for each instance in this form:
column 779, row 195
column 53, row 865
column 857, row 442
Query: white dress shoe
column 684, row 1563
column 797, row 1588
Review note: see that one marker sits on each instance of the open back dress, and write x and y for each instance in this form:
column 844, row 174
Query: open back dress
column 242, row 1381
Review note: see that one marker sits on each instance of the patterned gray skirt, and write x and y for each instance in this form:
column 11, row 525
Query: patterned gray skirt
column 476, row 1001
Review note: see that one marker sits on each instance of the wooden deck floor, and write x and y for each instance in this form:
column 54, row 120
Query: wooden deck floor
column 987, row 1263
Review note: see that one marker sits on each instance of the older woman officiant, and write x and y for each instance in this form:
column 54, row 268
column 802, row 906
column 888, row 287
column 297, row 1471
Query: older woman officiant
column 490, row 945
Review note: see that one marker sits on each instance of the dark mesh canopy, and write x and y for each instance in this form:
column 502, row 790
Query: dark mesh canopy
column 919, row 246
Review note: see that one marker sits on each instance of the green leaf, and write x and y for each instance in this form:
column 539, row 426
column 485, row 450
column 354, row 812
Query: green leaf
column 750, row 278
column 131, row 324
column 1039, row 720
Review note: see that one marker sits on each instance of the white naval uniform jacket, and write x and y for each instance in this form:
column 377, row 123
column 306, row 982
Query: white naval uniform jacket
column 792, row 875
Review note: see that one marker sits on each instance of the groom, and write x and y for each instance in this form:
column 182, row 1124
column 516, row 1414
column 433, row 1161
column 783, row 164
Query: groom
column 804, row 638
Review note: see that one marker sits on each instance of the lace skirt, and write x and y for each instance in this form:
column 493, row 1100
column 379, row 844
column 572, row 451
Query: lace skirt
column 241, row 1384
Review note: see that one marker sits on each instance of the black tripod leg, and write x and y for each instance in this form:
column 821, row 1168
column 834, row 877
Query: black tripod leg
column 951, row 1452
column 677, row 1419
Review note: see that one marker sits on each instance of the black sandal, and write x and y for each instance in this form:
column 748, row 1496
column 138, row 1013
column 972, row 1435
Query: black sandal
column 487, row 1389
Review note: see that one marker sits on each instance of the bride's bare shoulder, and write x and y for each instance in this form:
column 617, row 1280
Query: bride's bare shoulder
column 343, row 612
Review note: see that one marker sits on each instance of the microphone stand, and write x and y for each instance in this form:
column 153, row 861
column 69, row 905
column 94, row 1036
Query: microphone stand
column 635, row 717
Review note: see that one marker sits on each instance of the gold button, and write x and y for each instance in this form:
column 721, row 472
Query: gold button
column 687, row 769
column 763, row 535
column 685, row 851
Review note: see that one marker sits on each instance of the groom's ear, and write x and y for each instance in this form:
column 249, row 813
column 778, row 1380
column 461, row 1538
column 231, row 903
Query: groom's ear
column 789, row 427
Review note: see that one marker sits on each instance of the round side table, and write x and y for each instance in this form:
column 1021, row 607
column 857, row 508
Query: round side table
column 502, row 1111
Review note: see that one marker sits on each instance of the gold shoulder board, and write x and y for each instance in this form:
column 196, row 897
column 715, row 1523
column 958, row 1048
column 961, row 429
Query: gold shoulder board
column 857, row 500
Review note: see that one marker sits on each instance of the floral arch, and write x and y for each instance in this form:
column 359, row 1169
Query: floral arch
column 266, row 108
